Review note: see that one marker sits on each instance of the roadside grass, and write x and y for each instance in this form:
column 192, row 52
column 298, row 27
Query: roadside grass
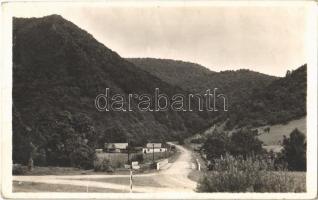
column 43, row 187
column 196, row 175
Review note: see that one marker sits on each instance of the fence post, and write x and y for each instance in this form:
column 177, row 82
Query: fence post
column 199, row 166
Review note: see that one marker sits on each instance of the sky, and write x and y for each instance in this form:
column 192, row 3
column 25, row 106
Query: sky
column 264, row 38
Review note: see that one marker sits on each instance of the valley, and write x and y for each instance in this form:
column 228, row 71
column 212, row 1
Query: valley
column 63, row 116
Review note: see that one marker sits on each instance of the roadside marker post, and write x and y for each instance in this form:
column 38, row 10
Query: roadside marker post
column 199, row 165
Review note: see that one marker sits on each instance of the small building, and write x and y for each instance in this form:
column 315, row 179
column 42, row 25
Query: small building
column 153, row 147
column 116, row 147
column 98, row 150
column 273, row 148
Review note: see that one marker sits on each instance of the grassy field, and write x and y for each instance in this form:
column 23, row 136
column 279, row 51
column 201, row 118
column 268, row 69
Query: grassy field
column 42, row 187
column 55, row 171
column 76, row 171
column 137, row 181
column 277, row 131
column 42, row 171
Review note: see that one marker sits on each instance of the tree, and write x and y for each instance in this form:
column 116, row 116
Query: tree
column 216, row 145
column 245, row 143
column 83, row 157
column 294, row 150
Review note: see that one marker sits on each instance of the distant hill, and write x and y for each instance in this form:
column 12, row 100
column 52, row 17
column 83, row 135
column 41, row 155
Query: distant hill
column 58, row 70
column 255, row 99
column 279, row 102
column 187, row 75
column 197, row 79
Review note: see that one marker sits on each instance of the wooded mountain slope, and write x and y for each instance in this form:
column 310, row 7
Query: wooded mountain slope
column 58, row 70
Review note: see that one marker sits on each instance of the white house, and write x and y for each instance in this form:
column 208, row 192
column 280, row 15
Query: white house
column 116, row 147
column 153, row 147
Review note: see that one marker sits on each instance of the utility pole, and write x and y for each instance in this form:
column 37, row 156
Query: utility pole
column 131, row 180
column 153, row 152
column 128, row 152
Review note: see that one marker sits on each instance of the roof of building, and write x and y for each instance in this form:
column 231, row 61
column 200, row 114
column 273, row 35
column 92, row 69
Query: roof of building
column 116, row 145
column 153, row 145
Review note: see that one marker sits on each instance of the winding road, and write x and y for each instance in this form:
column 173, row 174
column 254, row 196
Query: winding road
column 172, row 178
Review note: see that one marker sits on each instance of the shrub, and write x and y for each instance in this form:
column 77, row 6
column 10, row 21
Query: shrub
column 137, row 157
column 197, row 140
column 40, row 157
column 102, row 165
column 181, row 141
column 17, row 169
column 246, row 175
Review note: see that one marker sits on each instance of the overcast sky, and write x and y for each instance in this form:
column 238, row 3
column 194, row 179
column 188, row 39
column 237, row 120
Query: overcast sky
column 267, row 39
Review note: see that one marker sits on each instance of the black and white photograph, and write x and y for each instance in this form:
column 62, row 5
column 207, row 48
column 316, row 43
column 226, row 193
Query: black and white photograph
column 177, row 99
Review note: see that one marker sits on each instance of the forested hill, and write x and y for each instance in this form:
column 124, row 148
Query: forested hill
column 58, row 70
column 236, row 85
column 279, row 102
column 255, row 99
column 189, row 76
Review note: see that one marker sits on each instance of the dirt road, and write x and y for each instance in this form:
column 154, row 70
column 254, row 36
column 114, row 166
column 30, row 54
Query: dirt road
column 172, row 178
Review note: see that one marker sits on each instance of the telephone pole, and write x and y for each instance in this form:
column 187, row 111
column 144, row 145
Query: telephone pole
column 153, row 152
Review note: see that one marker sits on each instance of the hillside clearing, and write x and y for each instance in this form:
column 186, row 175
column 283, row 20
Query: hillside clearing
column 277, row 132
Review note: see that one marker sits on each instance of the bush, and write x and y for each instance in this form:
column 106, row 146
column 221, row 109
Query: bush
column 18, row 169
column 197, row 140
column 102, row 165
column 246, row 175
column 137, row 157
column 40, row 157
column 181, row 141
